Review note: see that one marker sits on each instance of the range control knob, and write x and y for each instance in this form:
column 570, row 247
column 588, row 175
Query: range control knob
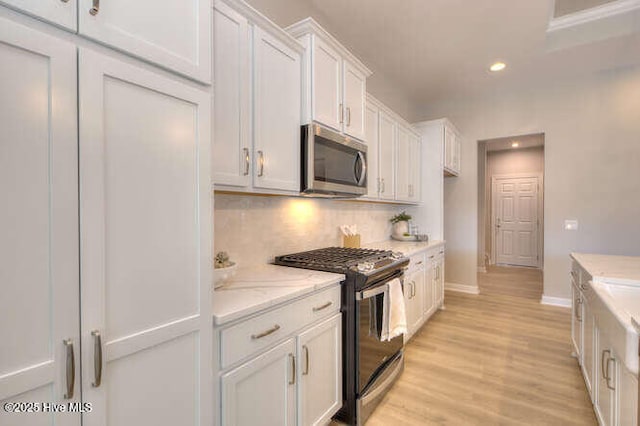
column 397, row 255
column 365, row 266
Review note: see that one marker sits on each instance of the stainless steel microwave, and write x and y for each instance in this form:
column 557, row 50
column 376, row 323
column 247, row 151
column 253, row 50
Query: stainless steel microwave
column 333, row 165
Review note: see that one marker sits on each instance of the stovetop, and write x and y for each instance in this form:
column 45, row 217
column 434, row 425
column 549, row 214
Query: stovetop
column 341, row 259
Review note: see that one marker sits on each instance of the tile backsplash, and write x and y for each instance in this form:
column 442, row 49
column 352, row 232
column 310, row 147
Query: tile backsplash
column 254, row 229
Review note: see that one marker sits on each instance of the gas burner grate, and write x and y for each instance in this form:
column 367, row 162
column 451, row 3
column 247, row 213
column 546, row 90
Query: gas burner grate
column 332, row 259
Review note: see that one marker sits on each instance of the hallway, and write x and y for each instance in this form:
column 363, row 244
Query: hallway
column 496, row 358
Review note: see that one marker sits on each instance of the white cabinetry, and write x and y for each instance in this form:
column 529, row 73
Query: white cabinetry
column 39, row 308
column 438, row 278
column 283, row 366
column 59, row 12
column 256, row 145
column 576, row 321
column 394, row 156
column 173, row 34
column 334, row 82
column 443, row 134
column 607, row 381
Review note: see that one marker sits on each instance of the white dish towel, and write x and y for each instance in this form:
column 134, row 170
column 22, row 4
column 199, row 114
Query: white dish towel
column 394, row 318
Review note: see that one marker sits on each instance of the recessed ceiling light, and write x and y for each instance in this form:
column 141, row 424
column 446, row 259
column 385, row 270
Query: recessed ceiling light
column 498, row 66
column 515, row 144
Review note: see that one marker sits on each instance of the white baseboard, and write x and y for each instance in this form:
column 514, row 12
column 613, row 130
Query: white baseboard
column 482, row 269
column 556, row 301
column 461, row 288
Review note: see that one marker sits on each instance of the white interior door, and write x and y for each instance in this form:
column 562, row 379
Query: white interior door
column 516, row 220
column 38, row 224
column 145, row 246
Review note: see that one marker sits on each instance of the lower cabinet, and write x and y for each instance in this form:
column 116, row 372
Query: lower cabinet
column 438, row 280
column 606, row 382
column 297, row 381
column 588, row 347
column 414, row 298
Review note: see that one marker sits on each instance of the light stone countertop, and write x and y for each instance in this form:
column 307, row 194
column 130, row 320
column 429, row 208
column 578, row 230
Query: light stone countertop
column 623, row 270
column 254, row 289
column 408, row 248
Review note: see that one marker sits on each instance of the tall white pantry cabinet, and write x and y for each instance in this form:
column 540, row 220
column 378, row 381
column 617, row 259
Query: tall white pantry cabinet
column 106, row 225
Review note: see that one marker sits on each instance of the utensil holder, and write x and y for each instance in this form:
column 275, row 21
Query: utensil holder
column 351, row 241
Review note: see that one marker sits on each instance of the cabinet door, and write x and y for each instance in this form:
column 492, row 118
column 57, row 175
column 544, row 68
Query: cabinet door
column 415, row 157
column 387, row 150
column 456, row 155
column 231, row 152
column 438, row 272
column 414, row 286
column 449, row 147
column 588, row 347
column 403, row 165
column 355, row 92
column 38, row 223
column 276, row 114
column 576, row 321
column 326, row 87
column 59, row 12
column 173, row 34
column 606, row 382
column 371, row 138
column 145, row 210
column 628, row 398
column 320, row 366
column 429, row 290
column 262, row 391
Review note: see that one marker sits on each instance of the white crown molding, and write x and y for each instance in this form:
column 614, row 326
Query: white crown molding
column 556, row 301
column 257, row 18
column 593, row 14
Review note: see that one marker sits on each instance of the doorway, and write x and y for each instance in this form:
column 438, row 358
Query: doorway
column 510, row 198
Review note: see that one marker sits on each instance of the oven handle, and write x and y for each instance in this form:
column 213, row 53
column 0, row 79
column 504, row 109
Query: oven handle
column 382, row 288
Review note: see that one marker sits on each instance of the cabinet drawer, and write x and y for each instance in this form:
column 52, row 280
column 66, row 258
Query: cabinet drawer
column 416, row 262
column 258, row 333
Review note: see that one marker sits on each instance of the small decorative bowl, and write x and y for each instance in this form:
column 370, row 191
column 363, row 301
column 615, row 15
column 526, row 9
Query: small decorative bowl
column 223, row 275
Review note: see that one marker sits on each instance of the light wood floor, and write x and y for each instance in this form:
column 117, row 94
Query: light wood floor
column 500, row 358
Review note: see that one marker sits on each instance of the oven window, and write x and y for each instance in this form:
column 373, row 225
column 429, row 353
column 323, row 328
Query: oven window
column 336, row 163
column 373, row 353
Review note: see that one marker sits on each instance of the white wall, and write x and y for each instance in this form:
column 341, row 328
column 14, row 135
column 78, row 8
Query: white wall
column 592, row 158
column 501, row 163
column 254, row 229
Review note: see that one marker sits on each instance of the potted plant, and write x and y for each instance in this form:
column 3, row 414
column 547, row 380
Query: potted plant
column 224, row 269
column 400, row 225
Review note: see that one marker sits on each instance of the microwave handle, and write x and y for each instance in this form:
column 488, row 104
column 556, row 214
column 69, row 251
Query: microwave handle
column 363, row 174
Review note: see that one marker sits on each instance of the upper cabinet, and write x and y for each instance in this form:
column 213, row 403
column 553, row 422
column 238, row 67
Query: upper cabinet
column 59, row 12
column 394, row 151
column 257, row 98
column 451, row 159
column 173, row 34
column 334, row 81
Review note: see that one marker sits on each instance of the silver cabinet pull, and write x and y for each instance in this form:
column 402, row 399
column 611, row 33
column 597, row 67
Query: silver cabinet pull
column 64, row 1
column 261, row 163
column 609, row 377
column 348, row 116
column 413, row 288
column 605, row 374
column 95, row 8
column 292, row 381
column 247, row 160
column 419, row 263
column 265, row 333
column 382, row 184
column 306, row 360
column 319, row 308
column 341, row 114
column 97, row 358
column 432, row 256
column 71, row 368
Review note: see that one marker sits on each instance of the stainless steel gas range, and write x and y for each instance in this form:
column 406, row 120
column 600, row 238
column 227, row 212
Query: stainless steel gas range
column 370, row 364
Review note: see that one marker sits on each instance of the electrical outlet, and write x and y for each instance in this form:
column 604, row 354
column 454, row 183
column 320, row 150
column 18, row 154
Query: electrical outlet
column 570, row 225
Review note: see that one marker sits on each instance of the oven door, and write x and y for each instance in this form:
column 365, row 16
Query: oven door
column 332, row 163
column 373, row 354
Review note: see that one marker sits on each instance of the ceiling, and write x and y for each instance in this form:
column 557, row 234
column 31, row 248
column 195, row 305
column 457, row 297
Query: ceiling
column 437, row 50
column 524, row 142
